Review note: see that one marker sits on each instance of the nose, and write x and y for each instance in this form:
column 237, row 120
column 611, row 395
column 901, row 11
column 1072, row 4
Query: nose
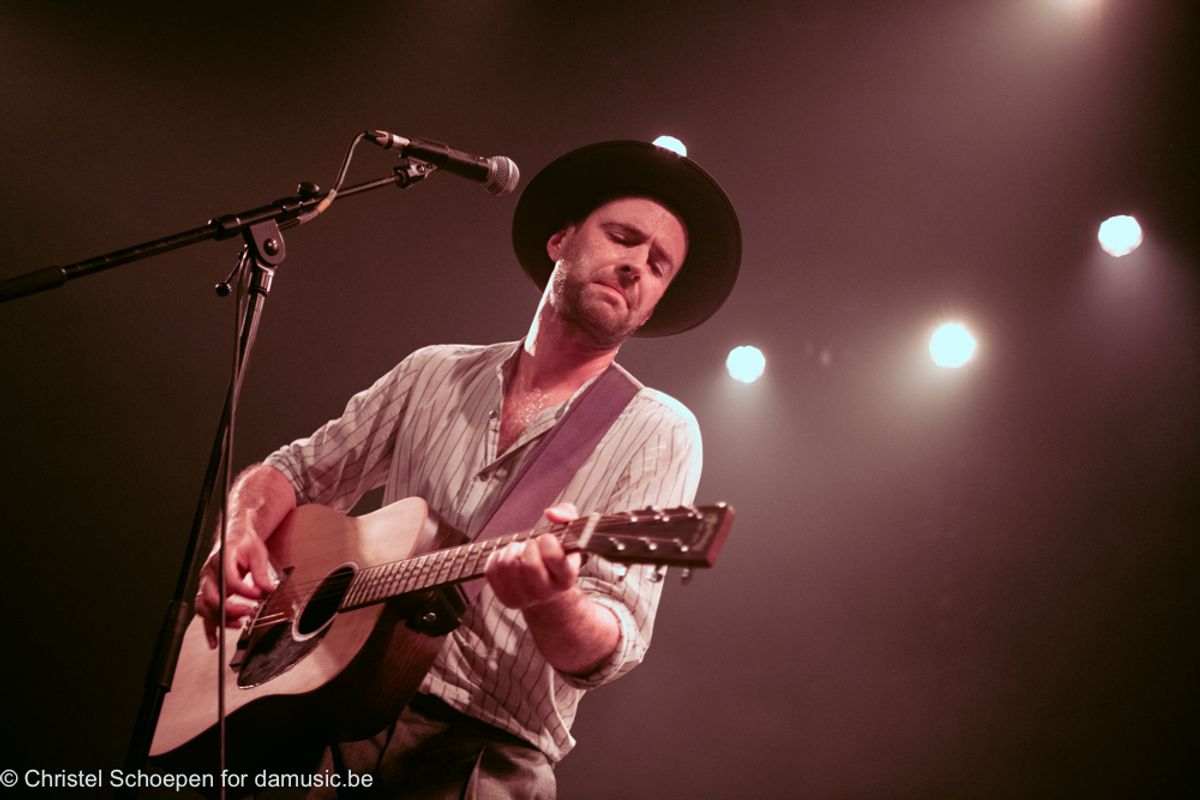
column 636, row 261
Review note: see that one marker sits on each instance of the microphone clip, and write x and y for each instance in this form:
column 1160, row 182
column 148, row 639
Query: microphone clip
column 409, row 171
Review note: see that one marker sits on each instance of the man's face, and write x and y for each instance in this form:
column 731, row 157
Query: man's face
column 612, row 267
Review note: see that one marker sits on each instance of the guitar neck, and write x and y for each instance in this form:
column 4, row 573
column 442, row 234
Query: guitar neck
column 439, row 568
column 686, row 537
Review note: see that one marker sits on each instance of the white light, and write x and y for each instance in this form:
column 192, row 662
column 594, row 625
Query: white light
column 746, row 364
column 1120, row 235
column 951, row 345
column 672, row 144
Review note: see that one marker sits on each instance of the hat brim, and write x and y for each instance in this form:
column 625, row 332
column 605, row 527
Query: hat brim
column 605, row 171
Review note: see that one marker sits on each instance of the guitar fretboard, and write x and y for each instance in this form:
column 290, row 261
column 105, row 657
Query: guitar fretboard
column 684, row 536
column 376, row 584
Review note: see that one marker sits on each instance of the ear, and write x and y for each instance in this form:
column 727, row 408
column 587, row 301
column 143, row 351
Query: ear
column 554, row 245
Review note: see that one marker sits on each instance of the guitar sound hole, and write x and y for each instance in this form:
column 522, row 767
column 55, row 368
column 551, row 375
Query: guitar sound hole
column 324, row 602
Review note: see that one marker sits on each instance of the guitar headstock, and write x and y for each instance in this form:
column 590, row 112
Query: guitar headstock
column 686, row 536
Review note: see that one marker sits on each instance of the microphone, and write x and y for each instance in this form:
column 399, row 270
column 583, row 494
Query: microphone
column 498, row 174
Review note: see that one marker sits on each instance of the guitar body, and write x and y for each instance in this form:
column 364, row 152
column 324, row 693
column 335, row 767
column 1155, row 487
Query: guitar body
column 315, row 673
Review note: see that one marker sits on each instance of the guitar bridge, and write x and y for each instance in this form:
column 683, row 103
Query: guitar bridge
column 248, row 627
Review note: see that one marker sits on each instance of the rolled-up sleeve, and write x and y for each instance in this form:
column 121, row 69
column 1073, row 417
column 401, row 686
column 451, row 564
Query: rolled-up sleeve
column 663, row 472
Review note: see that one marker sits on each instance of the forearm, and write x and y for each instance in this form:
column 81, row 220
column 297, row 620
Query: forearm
column 573, row 633
column 260, row 499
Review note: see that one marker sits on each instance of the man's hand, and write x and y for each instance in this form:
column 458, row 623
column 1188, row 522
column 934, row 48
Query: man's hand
column 259, row 501
column 573, row 633
column 248, row 577
column 537, row 571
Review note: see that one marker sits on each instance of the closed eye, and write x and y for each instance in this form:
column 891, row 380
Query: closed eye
column 627, row 236
column 621, row 235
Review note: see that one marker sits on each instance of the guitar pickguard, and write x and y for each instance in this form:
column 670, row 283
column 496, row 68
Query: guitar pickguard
column 289, row 626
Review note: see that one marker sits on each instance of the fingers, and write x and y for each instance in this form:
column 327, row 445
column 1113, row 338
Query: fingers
column 208, row 607
column 563, row 512
column 532, row 572
column 262, row 576
column 248, row 578
column 561, row 569
column 244, row 562
column 208, row 604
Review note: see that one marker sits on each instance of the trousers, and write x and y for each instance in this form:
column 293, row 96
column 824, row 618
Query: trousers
column 432, row 752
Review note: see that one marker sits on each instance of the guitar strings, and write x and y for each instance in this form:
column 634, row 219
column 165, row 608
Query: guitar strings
column 398, row 572
column 395, row 573
column 280, row 608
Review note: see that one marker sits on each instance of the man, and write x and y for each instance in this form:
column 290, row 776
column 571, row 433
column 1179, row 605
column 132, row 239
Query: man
column 624, row 238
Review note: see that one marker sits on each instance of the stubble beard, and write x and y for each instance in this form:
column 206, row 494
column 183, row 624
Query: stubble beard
column 602, row 326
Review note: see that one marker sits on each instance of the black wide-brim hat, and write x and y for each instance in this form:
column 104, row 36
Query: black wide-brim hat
column 584, row 179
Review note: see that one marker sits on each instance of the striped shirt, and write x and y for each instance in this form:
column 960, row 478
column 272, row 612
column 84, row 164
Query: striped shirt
column 430, row 428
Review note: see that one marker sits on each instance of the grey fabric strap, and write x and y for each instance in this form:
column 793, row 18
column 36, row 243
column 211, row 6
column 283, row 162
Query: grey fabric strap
column 559, row 455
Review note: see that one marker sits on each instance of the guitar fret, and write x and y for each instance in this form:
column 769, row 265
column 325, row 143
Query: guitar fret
column 359, row 589
column 431, row 571
column 375, row 578
column 458, row 567
column 423, row 565
column 370, row 591
column 370, row 586
column 391, row 575
column 445, row 567
column 364, row 593
column 460, row 562
column 412, row 574
column 352, row 595
column 438, row 575
column 478, row 551
column 406, row 578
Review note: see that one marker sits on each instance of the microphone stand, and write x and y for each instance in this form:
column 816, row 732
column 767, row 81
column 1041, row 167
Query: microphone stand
column 263, row 252
column 285, row 212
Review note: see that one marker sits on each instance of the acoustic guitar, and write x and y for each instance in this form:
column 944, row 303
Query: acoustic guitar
column 363, row 604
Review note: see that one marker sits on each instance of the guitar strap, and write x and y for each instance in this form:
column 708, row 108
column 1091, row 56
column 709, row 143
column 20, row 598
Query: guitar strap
column 558, row 456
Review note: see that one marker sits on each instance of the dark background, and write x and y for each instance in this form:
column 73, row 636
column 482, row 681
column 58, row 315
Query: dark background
column 977, row 583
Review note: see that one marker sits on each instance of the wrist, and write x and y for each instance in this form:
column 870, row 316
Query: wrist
column 563, row 605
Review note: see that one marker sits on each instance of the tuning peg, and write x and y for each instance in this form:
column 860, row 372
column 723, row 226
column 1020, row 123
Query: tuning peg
column 622, row 570
column 686, row 575
column 659, row 573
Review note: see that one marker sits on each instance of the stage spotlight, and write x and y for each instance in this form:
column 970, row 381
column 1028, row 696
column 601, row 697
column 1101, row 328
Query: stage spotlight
column 1120, row 235
column 746, row 364
column 951, row 345
column 672, row 144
